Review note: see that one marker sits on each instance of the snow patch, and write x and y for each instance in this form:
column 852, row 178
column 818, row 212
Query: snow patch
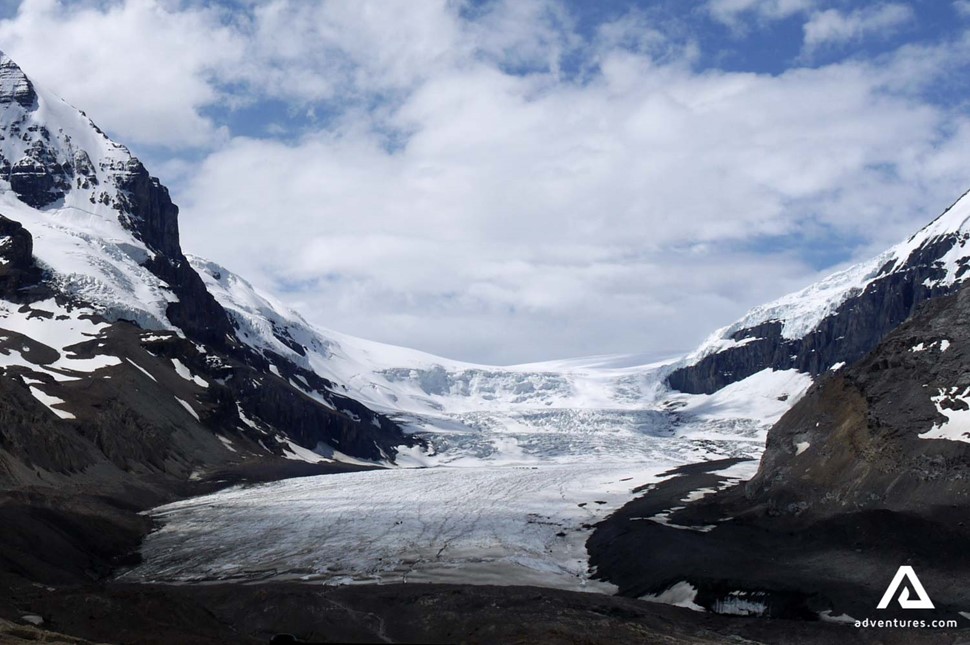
column 50, row 402
column 185, row 373
column 188, row 407
column 141, row 369
column 295, row 451
column 956, row 408
column 828, row 616
column 740, row 603
column 681, row 594
column 766, row 395
column 225, row 440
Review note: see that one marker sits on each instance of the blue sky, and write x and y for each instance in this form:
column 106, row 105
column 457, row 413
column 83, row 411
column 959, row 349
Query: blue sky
column 516, row 180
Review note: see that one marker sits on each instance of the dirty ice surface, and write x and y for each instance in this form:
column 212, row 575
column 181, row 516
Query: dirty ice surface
column 514, row 516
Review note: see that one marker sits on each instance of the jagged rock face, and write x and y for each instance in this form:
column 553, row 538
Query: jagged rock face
column 33, row 182
column 196, row 312
column 38, row 178
column 147, row 209
column 934, row 265
column 36, row 173
column 20, row 277
column 16, row 247
column 15, row 87
column 853, row 442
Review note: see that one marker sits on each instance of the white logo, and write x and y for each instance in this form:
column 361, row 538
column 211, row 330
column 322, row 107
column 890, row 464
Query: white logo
column 906, row 572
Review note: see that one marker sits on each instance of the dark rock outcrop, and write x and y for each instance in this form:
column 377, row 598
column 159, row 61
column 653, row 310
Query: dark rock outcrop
column 853, row 442
column 20, row 277
column 39, row 178
column 147, row 209
column 33, row 182
column 195, row 312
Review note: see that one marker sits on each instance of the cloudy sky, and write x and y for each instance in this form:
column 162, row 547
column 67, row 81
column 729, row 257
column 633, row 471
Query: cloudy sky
column 510, row 181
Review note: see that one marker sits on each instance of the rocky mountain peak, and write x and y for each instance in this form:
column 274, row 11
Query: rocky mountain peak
column 15, row 87
column 55, row 160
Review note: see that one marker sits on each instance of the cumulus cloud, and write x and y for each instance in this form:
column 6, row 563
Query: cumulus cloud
column 833, row 27
column 524, row 208
column 492, row 185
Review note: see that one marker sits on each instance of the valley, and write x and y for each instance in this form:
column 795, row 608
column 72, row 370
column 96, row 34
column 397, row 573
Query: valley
column 184, row 458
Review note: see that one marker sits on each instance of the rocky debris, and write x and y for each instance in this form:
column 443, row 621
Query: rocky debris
column 138, row 419
column 30, row 634
column 728, row 555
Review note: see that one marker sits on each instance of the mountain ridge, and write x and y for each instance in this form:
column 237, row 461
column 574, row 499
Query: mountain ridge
column 840, row 318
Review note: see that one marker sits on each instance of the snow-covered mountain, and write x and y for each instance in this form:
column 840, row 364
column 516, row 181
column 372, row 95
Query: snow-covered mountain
column 115, row 356
column 840, row 319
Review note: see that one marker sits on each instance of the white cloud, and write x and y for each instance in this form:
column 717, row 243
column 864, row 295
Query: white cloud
column 149, row 69
column 962, row 7
column 733, row 12
column 313, row 50
column 832, row 27
column 141, row 67
column 527, row 218
column 512, row 216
